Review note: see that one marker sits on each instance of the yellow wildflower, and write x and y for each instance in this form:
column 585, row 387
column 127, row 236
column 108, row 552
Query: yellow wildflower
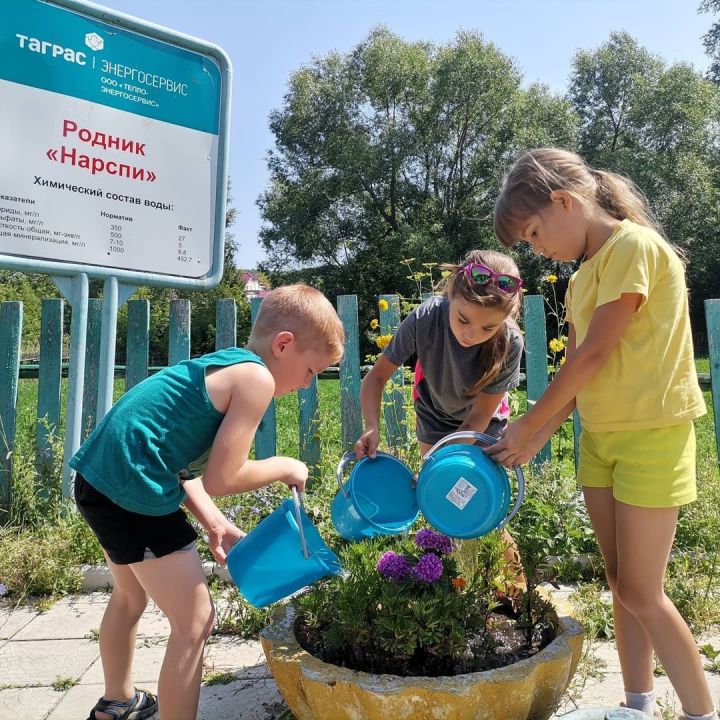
column 374, row 324
column 383, row 304
column 383, row 341
column 557, row 345
column 562, row 360
column 551, row 278
column 445, row 274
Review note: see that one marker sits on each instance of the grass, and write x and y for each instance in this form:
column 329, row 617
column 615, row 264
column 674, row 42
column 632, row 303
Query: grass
column 43, row 546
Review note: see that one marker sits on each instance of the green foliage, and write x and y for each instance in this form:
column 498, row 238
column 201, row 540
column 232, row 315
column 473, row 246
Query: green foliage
column 28, row 289
column 63, row 684
column 393, row 150
column 215, row 677
column 553, row 522
column 693, row 584
column 233, row 614
column 657, row 124
column 403, row 627
column 593, row 612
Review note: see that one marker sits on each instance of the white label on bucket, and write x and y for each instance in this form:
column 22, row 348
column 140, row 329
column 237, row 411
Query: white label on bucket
column 461, row 493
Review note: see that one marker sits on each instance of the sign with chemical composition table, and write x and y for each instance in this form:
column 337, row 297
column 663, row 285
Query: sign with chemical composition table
column 113, row 146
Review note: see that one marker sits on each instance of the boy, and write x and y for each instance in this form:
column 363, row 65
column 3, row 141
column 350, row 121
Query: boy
column 144, row 460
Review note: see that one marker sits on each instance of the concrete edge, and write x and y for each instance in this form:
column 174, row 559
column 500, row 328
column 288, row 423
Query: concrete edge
column 98, row 577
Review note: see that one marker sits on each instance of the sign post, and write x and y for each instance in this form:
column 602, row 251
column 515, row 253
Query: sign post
column 113, row 162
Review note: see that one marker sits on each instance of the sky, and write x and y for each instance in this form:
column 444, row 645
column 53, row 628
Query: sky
column 267, row 40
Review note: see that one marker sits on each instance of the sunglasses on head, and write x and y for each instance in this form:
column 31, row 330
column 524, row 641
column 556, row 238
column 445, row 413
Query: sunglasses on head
column 483, row 275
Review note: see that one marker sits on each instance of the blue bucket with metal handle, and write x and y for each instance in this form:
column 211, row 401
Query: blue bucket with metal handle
column 605, row 713
column 378, row 498
column 280, row 555
column 462, row 492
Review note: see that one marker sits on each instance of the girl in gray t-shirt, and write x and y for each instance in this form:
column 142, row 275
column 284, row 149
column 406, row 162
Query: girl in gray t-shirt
column 468, row 348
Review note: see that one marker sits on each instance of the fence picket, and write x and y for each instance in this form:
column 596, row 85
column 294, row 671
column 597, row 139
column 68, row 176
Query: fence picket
column 265, row 437
column 49, row 376
column 394, row 394
column 138, row 342
column 309, row 422
column 225, row 323
column 11, row 316
column 50, row 369
column 179, row 340
column 351, row 417
column 536, row 363
column 92, row 366
column 712, row 319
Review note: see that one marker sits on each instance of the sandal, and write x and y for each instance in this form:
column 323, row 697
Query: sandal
column 142, row 705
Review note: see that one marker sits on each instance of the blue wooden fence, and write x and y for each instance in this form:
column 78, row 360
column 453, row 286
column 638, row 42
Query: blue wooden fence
column 51, row 367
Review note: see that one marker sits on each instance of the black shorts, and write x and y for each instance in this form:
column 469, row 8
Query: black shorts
column 126, row 536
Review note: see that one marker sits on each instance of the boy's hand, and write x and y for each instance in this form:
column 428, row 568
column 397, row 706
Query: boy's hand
column 367, row 444
column 294, row 473
column 221, row 538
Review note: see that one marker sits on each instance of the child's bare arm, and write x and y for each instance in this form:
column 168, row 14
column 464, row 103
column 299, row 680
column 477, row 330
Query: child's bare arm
column 370, row 402
column 482, row 411
column 606, row 328
column 243, row 392
column 222, row 534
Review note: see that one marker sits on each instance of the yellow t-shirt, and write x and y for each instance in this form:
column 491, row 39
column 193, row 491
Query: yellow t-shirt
column 649, row 380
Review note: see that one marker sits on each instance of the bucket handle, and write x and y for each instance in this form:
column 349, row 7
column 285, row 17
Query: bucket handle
column 489, row 440
column 345, row 460
column 297, row 500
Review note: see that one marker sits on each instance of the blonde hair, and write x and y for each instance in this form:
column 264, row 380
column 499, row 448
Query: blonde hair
column 303, row 311
column 457, row 284
column 527, row 187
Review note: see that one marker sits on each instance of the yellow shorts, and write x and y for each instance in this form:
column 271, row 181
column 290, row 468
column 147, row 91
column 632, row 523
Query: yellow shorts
column 648, row 468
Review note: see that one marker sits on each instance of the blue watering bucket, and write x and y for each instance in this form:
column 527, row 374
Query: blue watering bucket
column 378, row 498
column 605, row 713
column 280, row 555
column 462, row 492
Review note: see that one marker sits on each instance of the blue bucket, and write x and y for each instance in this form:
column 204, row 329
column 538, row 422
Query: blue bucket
column 605, row 713
column 462, row 492
column 280, row 555
column 378, row 498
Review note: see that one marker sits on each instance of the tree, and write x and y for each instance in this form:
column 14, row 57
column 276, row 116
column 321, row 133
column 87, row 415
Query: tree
column 396, row 150
column 711, row 40
column 657, row 124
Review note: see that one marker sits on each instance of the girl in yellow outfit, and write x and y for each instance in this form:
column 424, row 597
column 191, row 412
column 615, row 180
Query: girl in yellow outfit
column 630, row 370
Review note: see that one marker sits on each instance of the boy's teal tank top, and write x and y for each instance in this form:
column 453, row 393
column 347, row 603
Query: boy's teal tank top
column 159, row 431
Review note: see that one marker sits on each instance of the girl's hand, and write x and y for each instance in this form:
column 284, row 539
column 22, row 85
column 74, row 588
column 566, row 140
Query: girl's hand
column 221, row 538
column 515, row 447
column 367, row 444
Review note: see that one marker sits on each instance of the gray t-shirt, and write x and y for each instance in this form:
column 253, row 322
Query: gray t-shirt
column 449, row 369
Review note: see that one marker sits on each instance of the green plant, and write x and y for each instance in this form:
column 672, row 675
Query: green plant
column 411, row 607
column 216, row 677
column 713, row 655
column 233, row 614
column 61, row 684
column 691, row 583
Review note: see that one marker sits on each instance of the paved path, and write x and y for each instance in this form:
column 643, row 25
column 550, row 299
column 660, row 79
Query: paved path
column 40, row 650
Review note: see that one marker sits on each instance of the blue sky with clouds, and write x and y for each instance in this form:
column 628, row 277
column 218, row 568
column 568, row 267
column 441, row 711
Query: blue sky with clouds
column 268, row 39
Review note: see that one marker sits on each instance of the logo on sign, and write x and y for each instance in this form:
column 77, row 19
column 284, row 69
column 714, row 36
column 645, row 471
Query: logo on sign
column 94, row 41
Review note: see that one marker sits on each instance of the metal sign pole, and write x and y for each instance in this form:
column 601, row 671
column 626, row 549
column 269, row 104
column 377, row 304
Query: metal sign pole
column 114, row 296
column 75, row 289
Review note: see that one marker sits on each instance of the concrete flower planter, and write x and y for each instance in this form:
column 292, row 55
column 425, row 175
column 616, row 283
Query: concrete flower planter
column 527, row 690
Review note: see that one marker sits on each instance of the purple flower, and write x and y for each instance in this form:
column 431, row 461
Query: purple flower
column 393, row 566
column 3, row 590
column 429, row 568
column 430, row 540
